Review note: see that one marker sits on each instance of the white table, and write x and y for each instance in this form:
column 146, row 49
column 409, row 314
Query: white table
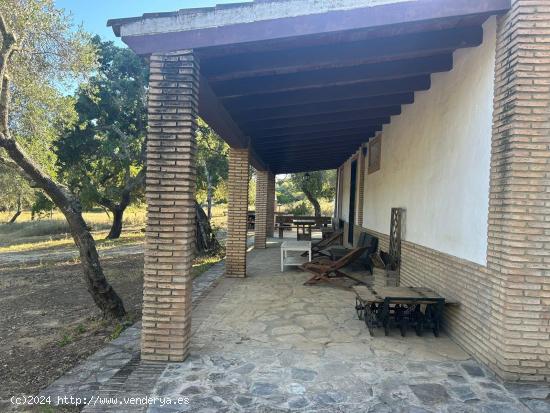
column 299, row 246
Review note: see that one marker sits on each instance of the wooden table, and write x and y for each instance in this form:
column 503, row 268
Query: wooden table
column 305, row 226
column 402, row 306
column 298, row 246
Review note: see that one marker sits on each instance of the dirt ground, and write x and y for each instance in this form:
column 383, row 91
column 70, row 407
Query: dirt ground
column 48, row 321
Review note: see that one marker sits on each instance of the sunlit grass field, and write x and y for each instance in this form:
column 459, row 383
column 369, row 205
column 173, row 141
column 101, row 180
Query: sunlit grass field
column 52, row 230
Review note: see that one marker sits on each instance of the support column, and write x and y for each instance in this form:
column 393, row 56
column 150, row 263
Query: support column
column 260, row 226
column 518, row 257
column 265, row 208
column 170, row 193
column 270, row 204
column 237, row 214
column 361, row 170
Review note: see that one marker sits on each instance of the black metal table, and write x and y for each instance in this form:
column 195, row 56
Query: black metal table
column 400, row 306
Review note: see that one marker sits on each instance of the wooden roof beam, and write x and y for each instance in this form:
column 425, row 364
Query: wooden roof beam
column 345, row 54
column 329, row 93
column 293, row 111
column 374, row 115
column 329, row 129
column 334, row 76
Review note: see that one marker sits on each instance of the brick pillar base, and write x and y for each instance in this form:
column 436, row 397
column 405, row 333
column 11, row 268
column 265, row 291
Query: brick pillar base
column 270, row 204
column 260, row 226
column 519, row 211
column 170, row 193
column 237, row 214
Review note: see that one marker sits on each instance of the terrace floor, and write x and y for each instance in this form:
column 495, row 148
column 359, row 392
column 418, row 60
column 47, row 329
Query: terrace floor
column 268, row 343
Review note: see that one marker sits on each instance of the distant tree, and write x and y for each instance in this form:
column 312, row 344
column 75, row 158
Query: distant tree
column 102, row 156
column 41, row 205
column 315, row 185
column 286, row 193
column 212, row 163
column 17, row 194
column 39, row 53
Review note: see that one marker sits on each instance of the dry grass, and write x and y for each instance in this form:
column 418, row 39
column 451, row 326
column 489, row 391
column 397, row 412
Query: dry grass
column 54, row 231
column 327, row 207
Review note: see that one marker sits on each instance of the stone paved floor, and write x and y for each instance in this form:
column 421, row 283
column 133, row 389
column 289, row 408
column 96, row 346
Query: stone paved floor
column 268, row 344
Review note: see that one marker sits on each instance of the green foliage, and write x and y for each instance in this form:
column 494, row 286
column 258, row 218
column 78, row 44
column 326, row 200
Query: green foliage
column 41, row 205
column 51, row 56
column 65, row 340
column 321, row 184
column 15, row 191
column 100, row 155
column 301, row 208
column 286, row 193
column 212, row 166
column 119, row 328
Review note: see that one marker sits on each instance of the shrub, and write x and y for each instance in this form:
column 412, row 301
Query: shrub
column 301, row 208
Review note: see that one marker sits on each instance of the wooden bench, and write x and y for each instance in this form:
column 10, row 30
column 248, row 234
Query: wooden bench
column 286, row 222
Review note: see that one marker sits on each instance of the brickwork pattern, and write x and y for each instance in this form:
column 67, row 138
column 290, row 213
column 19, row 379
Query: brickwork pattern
column 237, row 212
column 170, row 193
column 360, row 186
column 260, row 226
column 270, row 204
column 519, row 213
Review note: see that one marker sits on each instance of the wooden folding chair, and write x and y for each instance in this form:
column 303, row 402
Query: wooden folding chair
column 326, row 271
column 318, row 247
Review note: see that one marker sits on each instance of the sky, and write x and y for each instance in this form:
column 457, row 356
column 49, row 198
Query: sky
column 93, row 14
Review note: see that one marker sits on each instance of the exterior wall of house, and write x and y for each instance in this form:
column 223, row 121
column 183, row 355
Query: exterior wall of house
column 436, row 159
column 504, row 296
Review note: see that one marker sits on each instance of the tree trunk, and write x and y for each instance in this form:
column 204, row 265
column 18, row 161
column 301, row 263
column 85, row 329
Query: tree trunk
column 14, row 217
column 17, row 213
column 101, row 291
column 205, row 238
column 116, row 227
column 208, row 194
column 313, row 201
column 125, row 199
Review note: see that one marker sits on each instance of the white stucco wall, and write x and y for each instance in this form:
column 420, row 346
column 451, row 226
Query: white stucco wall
column 436, row 160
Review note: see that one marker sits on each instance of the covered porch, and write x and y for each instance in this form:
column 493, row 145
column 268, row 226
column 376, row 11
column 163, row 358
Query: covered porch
column 295, row 86
column 269, row 343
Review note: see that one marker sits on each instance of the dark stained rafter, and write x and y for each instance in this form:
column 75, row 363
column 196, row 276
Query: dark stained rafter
column 333, row 129
column 296, row 167
column 417, row 45
column 343, row 136
column 357, row 115
column 328, row 150
column 334, row 76
column 293, row 111
column 329, row 93
column 319, row 157
column 276, row 146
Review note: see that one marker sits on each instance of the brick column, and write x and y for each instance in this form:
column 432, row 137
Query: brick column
column 265, row 208
column 237, row 214
column 170, row 193
column 519, row 210
column 361, row 185
column 270, row 204
column 260, row 227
